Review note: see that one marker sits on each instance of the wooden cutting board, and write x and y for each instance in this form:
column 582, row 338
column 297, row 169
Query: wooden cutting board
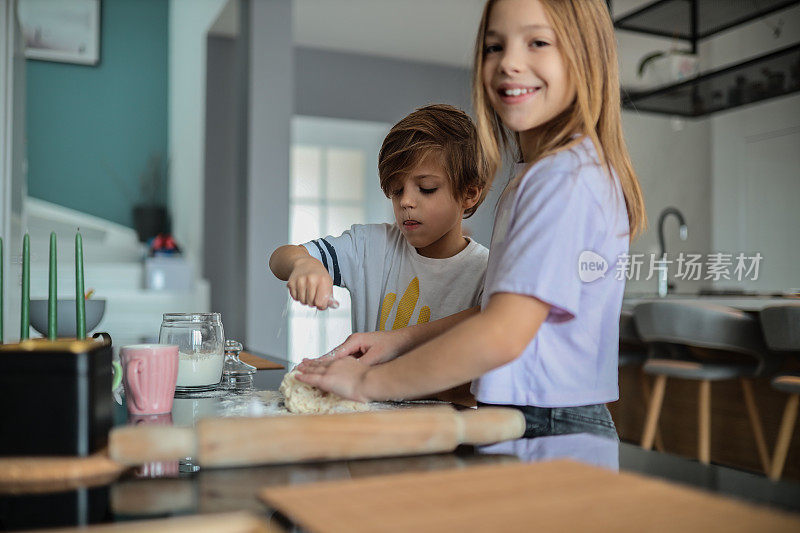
column 552, row 496
column 259, row 362
column 237, row 522
column 30, row 475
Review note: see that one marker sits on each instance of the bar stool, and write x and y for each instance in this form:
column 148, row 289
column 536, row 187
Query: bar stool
column 633, row 353
column 781, row 325
column 703, row 342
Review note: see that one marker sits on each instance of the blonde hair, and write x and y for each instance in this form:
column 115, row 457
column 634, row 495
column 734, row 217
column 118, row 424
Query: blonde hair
column 445, row 131
column 586, row 41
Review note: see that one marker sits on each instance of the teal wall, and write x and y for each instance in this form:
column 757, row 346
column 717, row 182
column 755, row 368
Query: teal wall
column 92, row 129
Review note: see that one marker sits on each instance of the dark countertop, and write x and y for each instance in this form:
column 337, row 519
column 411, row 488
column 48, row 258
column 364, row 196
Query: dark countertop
column 161, row 489
column 744, row 302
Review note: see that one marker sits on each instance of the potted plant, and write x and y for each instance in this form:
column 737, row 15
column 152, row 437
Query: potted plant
column 150, row 215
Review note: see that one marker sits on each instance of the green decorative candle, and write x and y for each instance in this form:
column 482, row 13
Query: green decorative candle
column 80, row 304
column 52, row 293
column 25, row 317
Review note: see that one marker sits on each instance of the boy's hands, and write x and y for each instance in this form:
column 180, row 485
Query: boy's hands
column 308, row 281
column 310, row 284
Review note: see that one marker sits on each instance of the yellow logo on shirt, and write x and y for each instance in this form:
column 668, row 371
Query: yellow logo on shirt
column 405, row 308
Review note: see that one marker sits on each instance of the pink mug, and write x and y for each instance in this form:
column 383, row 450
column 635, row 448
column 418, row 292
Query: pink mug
column 158, row 468
column 150, row 372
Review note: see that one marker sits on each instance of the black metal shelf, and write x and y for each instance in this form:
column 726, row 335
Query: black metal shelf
column 695, row 20
column 768, row 76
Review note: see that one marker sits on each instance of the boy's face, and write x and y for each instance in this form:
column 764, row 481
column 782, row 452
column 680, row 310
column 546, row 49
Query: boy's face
column 426, row 210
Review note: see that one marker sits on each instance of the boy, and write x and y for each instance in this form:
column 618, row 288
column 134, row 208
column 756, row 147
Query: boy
column 422, row 268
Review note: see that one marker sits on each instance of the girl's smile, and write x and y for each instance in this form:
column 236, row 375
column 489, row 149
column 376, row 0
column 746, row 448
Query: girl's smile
column 513, row 93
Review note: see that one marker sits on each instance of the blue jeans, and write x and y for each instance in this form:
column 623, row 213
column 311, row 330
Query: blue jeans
column 544, row 421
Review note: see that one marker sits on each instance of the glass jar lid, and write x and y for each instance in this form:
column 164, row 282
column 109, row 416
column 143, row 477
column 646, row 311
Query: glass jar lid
column 191, row 317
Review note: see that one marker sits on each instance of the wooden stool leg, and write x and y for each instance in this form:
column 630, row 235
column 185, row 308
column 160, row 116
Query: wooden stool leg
column 784, row 437
column 646, row 394
column 653, row 412
column 704, row 426
column 755, row 422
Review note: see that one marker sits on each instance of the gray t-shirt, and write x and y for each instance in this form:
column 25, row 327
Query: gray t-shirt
column 391, row 285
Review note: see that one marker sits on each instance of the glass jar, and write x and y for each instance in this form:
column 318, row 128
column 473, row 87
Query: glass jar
column 201, row 348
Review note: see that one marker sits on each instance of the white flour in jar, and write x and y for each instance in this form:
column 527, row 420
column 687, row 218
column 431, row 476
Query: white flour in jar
column 199, row 369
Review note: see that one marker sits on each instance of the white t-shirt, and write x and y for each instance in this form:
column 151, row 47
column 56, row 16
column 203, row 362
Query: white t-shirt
column 391, row 285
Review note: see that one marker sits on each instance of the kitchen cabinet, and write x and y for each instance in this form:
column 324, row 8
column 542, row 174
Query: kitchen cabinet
column 768, row 76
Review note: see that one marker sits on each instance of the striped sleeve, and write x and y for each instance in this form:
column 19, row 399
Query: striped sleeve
column 339, row 255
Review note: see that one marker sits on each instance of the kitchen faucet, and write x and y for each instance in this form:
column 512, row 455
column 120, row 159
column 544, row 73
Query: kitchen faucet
column 663, row 284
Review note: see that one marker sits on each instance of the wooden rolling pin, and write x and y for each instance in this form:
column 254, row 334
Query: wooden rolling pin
column 223, row 442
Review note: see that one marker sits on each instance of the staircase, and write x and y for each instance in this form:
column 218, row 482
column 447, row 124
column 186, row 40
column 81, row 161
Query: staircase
column 113, row 267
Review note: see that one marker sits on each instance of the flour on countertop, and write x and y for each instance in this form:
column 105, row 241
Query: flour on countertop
column 256, row 403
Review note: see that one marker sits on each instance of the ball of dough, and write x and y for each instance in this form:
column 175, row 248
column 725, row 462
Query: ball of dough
column 302, row 398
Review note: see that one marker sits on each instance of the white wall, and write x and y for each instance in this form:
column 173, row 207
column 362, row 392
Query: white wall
column 756, row 189
column 734, row 174
column 674, row 168
column 672, row 159
column 189, row 22
column 756, row 164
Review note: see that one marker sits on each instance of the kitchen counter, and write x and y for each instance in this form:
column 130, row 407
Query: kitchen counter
column 753, row 303
column 163, row 489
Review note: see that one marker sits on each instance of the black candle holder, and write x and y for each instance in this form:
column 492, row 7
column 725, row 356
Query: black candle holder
column 56, row 396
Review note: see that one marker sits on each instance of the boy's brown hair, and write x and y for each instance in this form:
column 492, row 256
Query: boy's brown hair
column 442, row 129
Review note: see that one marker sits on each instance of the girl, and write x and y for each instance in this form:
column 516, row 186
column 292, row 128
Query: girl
column 545, row 84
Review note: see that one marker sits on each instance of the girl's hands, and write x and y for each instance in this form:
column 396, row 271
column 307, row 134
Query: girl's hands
column 372, row 348
column 344, row 369
column 310, row 284
column 342, row 375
